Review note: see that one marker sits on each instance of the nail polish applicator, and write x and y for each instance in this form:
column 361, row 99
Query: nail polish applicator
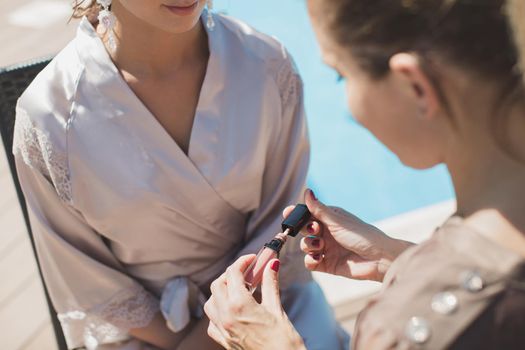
column 291, row 226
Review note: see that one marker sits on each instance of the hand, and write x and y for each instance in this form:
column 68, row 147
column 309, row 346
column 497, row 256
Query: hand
column 339, row 243
column 237, row 321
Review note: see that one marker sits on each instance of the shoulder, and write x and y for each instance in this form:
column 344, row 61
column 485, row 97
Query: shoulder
column 42, row 116
column 440, row 289
column 252, row 41
column 44, row 107
column 49, row 97
column 266, row 52
column 502, row 322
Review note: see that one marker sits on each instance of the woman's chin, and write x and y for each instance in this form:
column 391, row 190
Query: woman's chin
column 418, row 164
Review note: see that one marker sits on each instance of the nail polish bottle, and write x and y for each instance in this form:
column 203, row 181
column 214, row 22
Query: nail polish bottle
column 291, row 227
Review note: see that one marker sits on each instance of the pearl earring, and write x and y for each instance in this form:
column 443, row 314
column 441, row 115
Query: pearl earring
column 108, row 20
column 210, row 23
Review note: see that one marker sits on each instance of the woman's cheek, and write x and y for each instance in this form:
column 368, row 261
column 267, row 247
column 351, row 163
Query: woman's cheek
column 360, row 103
column 352, row 100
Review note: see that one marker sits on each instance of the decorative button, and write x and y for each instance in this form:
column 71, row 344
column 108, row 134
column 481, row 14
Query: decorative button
column 472, row 281
column 90, row 342
column 418, row 330
column 444, row 303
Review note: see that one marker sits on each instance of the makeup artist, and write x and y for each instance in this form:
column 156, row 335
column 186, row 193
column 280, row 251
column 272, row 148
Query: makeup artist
column 435, row 81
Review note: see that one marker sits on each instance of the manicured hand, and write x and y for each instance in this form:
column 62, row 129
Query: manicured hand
column 237, row 321
column 339, row 243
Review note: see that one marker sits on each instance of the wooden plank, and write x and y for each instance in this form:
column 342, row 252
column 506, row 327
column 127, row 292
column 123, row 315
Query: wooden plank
column 44, row 339
column 23, row 316
column 12, row 228
column 17, row 269
column 8, row 201
column 11, row 220
column 8, row 6
column 50, row 38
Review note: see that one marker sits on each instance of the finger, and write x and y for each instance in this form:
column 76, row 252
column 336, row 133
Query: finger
column 313, row 261
column 215, row 334
column 312, row 244
column 270, row 287
column 312, row 228
column 288, row 210
column 210, row 309
column 235, row 277
column 219, row 293
column 318, row 209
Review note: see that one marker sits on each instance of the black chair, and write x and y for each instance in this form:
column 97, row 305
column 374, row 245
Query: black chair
column 13, row 81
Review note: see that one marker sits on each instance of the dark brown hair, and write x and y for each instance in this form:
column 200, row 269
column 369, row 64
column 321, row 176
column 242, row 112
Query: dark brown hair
column 471, row 34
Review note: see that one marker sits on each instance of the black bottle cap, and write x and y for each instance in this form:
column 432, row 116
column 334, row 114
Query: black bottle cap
column 296, row 220
column 275, row 245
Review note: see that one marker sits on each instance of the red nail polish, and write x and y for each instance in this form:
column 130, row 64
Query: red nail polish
column 275, row 265
column 316, row 242
column 316, row 257
column 310, row 228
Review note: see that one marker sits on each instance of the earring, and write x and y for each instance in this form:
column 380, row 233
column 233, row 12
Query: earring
column 210, row 23
column 108, row 20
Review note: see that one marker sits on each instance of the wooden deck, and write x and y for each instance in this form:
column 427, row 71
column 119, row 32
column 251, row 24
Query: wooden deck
column 30, row 29
column 24, row 317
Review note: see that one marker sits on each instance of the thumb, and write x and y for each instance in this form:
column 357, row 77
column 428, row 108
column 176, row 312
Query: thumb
column 318, row 209
column 271, row 299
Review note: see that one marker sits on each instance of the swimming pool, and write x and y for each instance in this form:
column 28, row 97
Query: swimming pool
column 348, row 168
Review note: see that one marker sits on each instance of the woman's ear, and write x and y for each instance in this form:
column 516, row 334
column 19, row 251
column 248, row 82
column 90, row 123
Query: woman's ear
column 407, row 67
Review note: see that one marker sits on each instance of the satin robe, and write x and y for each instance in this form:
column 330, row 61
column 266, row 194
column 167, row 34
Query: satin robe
column 119, row 210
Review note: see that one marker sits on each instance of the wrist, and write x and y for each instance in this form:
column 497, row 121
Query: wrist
column 391, row 250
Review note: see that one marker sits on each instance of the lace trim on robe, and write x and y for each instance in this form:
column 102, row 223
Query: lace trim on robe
column 289, row 83
column 111, row 321
column 36, row 150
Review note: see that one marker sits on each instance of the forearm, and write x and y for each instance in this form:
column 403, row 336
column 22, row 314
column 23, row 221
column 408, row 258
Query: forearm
column 158, row 334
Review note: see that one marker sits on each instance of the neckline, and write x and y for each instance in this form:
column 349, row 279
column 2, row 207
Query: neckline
column 101, row 58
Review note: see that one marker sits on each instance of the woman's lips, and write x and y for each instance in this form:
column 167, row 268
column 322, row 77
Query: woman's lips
column 182, row 10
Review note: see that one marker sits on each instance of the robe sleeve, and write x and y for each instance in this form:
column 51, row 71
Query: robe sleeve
column 284, row 174
column 95, row 300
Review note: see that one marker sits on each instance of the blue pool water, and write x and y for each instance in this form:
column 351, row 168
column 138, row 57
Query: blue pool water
column 348, row 168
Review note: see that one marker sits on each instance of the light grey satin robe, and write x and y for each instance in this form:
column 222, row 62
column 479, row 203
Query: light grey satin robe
column 118, row 210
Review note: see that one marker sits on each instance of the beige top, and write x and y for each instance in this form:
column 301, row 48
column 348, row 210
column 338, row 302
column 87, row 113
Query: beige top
column 435, row 291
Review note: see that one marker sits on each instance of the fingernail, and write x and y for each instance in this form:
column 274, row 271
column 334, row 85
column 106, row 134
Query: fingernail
column 313, row 195
column 316, row 257
column 310, row 228
column 275, row 265
column 316, row 242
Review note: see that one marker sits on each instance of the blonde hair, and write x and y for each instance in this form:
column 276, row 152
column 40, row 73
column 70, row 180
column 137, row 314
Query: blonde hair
column 88, row 8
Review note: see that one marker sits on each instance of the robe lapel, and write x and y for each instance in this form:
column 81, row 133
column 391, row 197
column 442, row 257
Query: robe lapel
column 181, row 184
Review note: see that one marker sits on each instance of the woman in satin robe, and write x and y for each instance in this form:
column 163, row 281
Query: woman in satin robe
column 159, row 145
